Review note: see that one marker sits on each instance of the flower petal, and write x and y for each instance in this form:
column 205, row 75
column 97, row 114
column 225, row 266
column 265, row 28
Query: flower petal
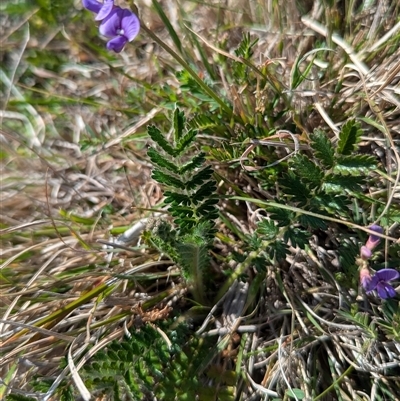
column 105, row 10
column 387, row 274
column 373, row 240
column 372, row 284
column 117, row 44
column 386, row 291
column 92, row 5
column 130, row 25
column 111, row 25
column 377, row 229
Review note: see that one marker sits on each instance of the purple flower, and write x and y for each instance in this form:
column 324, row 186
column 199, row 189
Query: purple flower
column 122, row 26
column 101, row 9
column 119, row 24
column 379, row 282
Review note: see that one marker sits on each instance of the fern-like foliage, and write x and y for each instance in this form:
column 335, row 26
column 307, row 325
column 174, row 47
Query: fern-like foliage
column 190, row 193
column 142, row 367
column 323, row 184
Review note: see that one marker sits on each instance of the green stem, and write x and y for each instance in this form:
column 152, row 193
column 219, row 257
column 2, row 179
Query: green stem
column 263, row 203
column 335, row 383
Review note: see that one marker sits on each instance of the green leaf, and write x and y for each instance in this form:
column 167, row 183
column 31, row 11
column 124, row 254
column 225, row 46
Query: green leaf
column 245, row 51
column 245, row 48
column 348, row 252
column 373, row 123
column 283, row 217
column 323, row 148
column 196, row 162
column 160, row 161
column 307, row 170
column 332, row 204
column 348, row 138
column 156, row 136
column 203, row 122
column 182, row 211
column 166, row 179
column 194, row 259
column 199, row 178
column 206, row 190
column 294, row 187
column 172, row 33
column 185, row 141
column 297, row 237
column 267, row 229
column 391, row 216
column 208, row 206
column 297, row 76
column 355, row 165
column 278, row 250
column 312, row 222
column 340, row 183
column 178, row 124
column 176, row 199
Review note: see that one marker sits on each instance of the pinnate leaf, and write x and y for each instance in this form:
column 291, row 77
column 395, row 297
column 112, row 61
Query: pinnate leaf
column 267, row 229
column 175, row 198
column 185, row 141
column 354, row 164
column 196, row 162
column 179, row 124
column 349, row 137
column 332, row 204
column 160, row 161
column 334, row 183
column 293, row 186
column 312, row 222
column 156, row 135
column 205, row 191
column 278, row 250
column 199, row 178
column 323, row 148
column 307, row 170
column 283, row 217
column 167, row 179
column 297, row 237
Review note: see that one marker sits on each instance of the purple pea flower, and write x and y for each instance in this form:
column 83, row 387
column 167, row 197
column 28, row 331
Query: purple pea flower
column 379, row 282
column 122, row 26
column 119, row 24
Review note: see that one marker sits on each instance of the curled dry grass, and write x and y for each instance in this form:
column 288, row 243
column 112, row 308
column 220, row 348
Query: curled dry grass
column 54, row 300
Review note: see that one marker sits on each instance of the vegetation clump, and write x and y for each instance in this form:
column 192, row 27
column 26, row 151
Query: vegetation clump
column 205, row 206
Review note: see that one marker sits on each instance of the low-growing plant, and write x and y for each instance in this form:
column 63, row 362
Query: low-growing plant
column 243, row 185
column 190, row 193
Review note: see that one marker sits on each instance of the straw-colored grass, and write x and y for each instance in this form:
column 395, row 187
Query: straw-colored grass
column 75, row 177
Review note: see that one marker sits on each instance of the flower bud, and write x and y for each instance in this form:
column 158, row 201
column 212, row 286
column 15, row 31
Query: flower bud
column 365, row 278
column 365, row 253
column 373, row 240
